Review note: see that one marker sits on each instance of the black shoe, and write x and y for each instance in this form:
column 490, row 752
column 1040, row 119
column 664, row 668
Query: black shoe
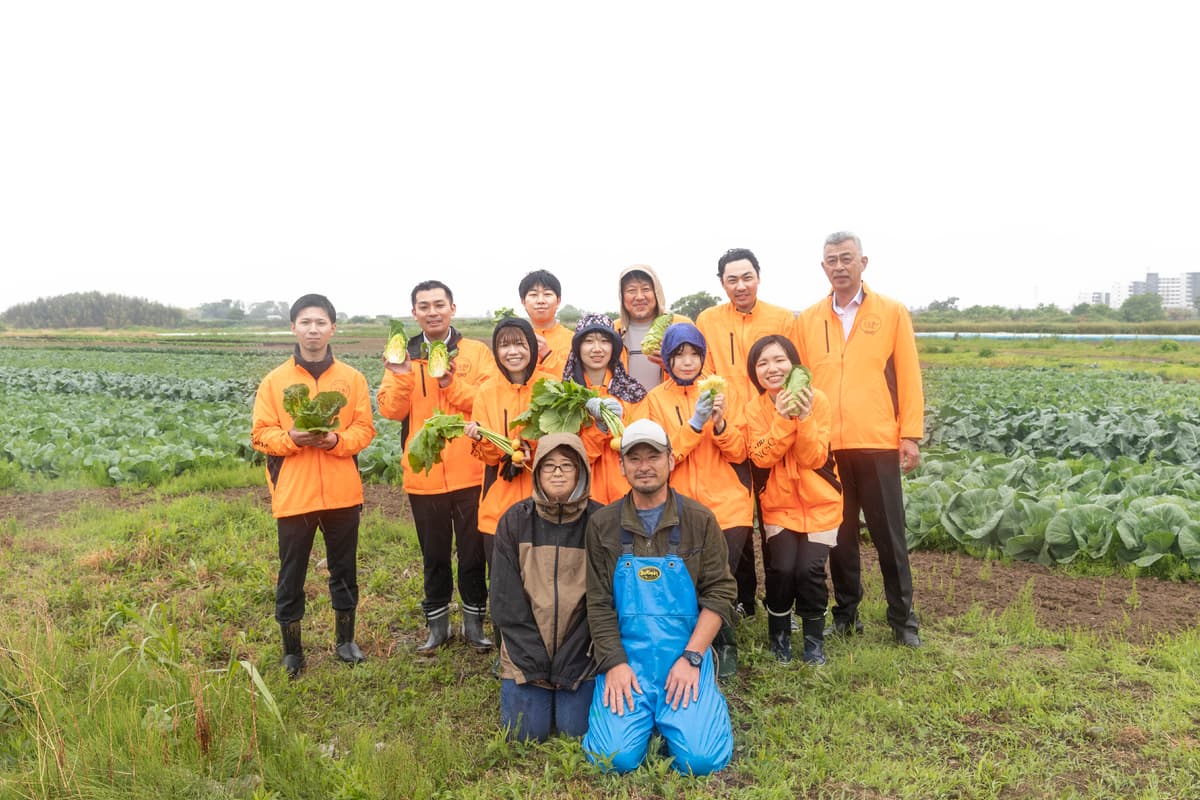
column 473, row 628
column 814, row 641
column 293, row 652
column 439, row 631
column 725, row 650
column 907, row 638
column 779, row 635
column 346, row 649
column 841, row 627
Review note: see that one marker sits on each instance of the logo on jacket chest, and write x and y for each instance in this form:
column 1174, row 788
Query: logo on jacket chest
column 649, row 573
column 870, row 324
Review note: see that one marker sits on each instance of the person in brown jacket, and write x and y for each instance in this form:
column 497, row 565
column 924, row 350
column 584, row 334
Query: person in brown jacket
column 539, row 597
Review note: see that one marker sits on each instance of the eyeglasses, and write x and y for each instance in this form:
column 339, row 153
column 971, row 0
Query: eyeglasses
column 551, row 469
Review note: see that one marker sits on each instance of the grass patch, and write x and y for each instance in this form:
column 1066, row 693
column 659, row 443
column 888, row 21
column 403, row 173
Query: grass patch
column 139, row 659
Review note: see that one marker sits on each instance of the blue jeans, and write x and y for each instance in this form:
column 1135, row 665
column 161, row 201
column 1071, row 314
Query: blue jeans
column 533, row 712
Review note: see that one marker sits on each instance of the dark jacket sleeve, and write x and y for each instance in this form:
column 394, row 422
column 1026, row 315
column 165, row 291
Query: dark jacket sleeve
column 601, row 610
column 510, row 606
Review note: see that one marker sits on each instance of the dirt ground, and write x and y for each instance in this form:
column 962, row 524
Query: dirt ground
column 944, row 585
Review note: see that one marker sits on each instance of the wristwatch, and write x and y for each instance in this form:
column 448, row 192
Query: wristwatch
column 693, row 658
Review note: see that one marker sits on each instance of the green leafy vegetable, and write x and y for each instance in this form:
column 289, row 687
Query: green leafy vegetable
column 318, row 414
column 713, row 385
column 652, row 341
column 554, row 407
column 798, row 378
column 427, row 446
column 397, row 345
column 438, row 357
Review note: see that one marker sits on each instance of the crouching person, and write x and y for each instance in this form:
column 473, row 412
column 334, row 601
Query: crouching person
column 539, row 597
column 658, row 590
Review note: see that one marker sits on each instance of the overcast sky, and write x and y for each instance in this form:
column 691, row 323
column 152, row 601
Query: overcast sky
column 189, row 152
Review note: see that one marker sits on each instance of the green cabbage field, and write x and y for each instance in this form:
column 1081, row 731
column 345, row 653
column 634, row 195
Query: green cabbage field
column 1045, row 465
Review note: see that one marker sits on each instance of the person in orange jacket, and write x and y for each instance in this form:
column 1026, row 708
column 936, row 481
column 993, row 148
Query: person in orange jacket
column 445, row 501
column 801, row 503
column 642, row 301
column 708, row 437
column 313, row 477
column 541, row 295
column 595, row 362
column 499, row 402
column 729, row 329
column 863, row 354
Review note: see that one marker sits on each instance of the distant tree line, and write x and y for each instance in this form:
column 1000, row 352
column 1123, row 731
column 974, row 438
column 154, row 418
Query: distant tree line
column 1137, row 308
column 92, row 310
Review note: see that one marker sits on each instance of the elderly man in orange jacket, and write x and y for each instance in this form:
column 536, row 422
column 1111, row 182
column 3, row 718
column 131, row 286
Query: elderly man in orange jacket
column 313, row 477
column 862, row 352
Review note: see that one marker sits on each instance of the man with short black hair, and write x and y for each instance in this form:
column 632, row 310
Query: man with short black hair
column 658, row 590
column 444, row 500
column 313, row 477
column 541, row 295
column 642, row 301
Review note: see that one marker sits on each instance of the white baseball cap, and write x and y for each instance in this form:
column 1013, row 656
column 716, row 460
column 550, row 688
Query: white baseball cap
column 644, row 431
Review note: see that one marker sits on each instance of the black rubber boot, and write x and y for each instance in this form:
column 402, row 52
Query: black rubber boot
column 814, row 641
column 779, row 635
column 473, row 627
column 499, row 640
column 293, row 651
column 346, row 649
column 439, row 631
column 725, row 647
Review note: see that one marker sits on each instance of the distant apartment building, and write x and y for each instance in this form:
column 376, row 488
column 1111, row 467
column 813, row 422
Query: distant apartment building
column 1176, row 291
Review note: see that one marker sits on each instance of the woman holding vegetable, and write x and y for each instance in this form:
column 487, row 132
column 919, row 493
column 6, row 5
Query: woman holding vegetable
column 506, row 475
column 539, row 597
column 801, row 504
column 595, row 363
column 708, row 437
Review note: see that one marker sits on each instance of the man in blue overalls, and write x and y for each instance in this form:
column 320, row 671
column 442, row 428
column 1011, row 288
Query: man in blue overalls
column 655, row 601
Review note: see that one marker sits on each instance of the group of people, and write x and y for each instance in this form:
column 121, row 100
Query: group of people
column 616, row 573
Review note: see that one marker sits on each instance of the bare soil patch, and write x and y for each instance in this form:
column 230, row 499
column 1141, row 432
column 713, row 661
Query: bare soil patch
column 944, row 584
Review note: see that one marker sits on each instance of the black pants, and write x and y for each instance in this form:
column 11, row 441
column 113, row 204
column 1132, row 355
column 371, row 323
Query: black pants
column 737, row 537
column 745, row 568
column 796, row 575
column 339, row 526
column 871, row 482
column 444, row 521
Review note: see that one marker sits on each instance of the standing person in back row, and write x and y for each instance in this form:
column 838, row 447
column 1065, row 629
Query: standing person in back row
column 642, row 301
column 445, row 500
column 730, row 329
column 541, row 295
column 313, row 477
column 862, row 352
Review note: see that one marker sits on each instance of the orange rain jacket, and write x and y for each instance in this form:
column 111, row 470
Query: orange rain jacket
column 608, row 484
column 497, row 404
column 802, row 492
column 873, row 378
column 558, row 339
column 414, row 396
column 729, row 334
column 704, row 461
column 306, row 479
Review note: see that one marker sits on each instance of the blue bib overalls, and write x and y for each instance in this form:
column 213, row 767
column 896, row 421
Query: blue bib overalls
column 657, row 612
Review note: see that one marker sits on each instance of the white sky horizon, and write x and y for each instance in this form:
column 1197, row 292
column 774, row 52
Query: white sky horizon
column 1010, row 155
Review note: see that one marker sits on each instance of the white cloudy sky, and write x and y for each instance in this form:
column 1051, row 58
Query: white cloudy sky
column 187, row 152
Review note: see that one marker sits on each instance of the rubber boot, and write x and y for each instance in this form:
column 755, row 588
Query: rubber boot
column 814, row 641
column 779, row 635
column 293, row 651
column 499, row 640
column 346, row 649
column 439, row 631
column 473, row 627
column 725, row 647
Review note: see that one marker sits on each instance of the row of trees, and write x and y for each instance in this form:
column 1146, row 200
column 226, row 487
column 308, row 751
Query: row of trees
column 1137, row 308
column 92, row 310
